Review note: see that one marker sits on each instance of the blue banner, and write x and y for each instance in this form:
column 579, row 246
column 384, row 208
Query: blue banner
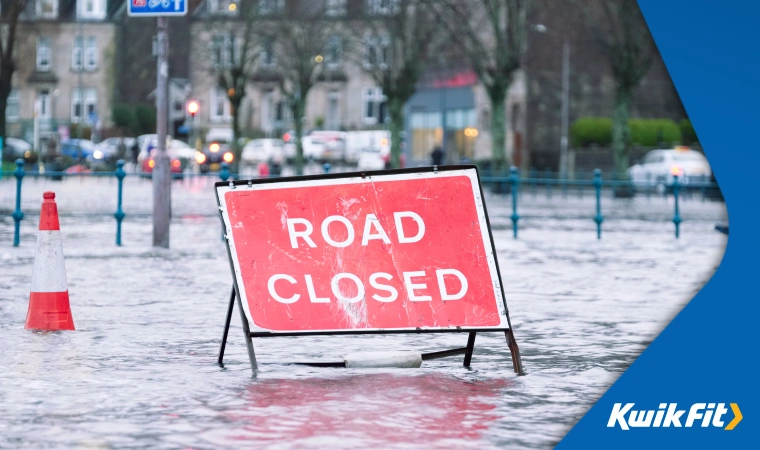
column 695, row 386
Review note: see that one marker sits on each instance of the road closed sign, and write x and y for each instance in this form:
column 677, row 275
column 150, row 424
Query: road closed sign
column 388, row 251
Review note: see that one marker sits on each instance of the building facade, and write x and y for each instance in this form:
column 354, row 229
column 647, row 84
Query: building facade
column 64, row 73
column 346, row 97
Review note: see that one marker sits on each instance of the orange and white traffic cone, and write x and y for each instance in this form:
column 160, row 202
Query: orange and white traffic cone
column 49, row 307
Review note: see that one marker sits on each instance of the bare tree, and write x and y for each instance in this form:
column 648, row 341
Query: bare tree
column 11, row 10
column 231, row 56
column 394, row 42
column 492, row 35
column 622, row 34
column 297, row 39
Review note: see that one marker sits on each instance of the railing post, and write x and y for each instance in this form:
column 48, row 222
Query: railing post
column 514, row 179
column 326, row 167
column 676, row 216
column 119, row 215
column 598, row 218
column 17, row 214
column 224, row 174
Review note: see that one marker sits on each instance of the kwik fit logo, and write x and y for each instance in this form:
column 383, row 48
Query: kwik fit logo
column 668, row 415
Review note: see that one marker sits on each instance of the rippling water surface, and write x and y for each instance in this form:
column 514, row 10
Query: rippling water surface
column 140, row 369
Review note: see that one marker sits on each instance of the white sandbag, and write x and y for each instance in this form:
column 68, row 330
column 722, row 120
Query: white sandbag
column 384, row 359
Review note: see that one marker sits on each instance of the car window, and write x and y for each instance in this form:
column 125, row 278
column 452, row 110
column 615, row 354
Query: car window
column 688, row 156
column 370, row 150
column 654, row 158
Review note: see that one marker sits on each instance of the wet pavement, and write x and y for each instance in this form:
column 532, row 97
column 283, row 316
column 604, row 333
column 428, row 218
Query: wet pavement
column 140, row 370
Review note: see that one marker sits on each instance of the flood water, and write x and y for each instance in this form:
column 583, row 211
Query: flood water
column 140, row 371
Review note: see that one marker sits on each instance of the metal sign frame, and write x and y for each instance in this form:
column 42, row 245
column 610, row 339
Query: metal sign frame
column 166, row 3
column 472, row 331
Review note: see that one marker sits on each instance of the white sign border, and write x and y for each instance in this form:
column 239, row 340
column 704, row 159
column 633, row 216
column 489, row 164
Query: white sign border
column 500, row 298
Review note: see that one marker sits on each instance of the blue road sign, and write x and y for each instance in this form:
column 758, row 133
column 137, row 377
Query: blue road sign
column 155, row 8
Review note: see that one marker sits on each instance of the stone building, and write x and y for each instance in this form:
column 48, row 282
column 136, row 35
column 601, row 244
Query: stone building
column 64, row 75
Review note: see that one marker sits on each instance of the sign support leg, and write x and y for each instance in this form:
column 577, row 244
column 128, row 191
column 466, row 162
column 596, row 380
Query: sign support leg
column 248, row 340
column 226, row 328
column 470, row 347
column 515, row 351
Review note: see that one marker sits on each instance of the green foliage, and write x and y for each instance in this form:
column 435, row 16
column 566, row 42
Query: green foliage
column 591, row 130
column 145, row 119
column 688, row 135
column 652, row 132
column 645, row 132
column 79, row 131
column 123, row 116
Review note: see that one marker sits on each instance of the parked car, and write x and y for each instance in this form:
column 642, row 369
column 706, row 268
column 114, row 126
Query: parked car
column 212, row 156
column 78, row 149
column 149, row 163
column 356, row 141
column 109, row 148
column 659, row 167
column 373, row 158
column 14, row 148
column 262, row 150
column 335, row 144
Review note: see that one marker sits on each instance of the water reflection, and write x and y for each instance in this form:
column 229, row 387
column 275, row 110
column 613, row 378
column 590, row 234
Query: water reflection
column 382, row 409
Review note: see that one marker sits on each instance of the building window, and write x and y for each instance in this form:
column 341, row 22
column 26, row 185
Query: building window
column 334, row 53
column 335, row 8
column 382, row 7
column 376, row 52
column 333, row 110
column 83, row 104
column 43, row 54
column 76, row 53
column 267, row 58
column 11, row 107
column 223, row 51
column 47, row 9
column 91, row 9
column 373, row 106
column 223, row 6
column 43, row 104
column 91, row 54
column 220, row 105
column 271, row 7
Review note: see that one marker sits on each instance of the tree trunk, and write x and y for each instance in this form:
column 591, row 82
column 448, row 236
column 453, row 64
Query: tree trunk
column 621, row 133
column 3, row 105
column 498, row 130
column 236, row 149
column 396, row 113
column 298, row 110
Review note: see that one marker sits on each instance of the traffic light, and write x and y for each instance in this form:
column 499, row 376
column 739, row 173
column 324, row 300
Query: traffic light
column 192, row 107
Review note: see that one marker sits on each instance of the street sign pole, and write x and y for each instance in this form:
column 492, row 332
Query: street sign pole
column 161, row 172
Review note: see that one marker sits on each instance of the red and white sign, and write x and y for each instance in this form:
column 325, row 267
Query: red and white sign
column 393, row 252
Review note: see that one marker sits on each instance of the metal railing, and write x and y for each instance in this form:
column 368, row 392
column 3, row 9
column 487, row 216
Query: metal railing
column 504, row 182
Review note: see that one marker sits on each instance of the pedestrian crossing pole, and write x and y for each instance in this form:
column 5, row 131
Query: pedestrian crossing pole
column 162, row 170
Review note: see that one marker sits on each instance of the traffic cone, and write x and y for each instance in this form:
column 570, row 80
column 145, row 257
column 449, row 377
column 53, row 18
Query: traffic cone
column 49, row 307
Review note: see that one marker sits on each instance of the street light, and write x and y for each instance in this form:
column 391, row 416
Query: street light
column 563, row 143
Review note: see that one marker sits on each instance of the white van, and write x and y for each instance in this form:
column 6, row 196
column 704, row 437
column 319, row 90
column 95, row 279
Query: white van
column 356, row 141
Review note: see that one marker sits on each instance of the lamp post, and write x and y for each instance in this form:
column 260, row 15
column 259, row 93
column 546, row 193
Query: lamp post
column 192, row 108
column 565, row 109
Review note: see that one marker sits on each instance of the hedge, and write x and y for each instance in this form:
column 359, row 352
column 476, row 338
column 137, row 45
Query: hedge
column 688, row 135
column 644, row 132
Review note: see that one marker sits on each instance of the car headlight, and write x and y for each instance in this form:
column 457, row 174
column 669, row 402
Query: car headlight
column 228, row 157
column 97, row 154
column 200, row 158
